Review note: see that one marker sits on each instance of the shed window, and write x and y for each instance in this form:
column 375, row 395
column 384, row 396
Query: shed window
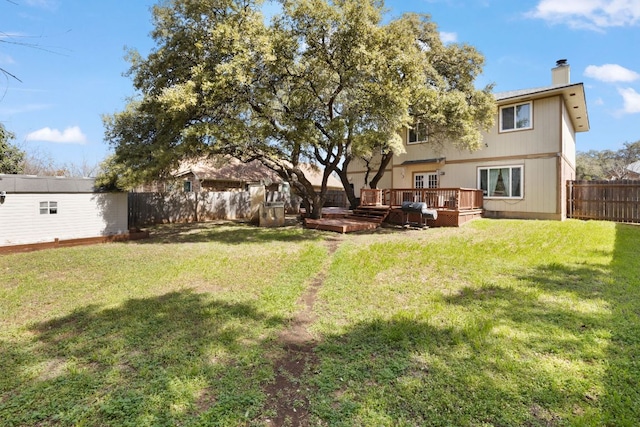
column 187, row 187
column 48, row 208
column 516, row 117
column 502, row 182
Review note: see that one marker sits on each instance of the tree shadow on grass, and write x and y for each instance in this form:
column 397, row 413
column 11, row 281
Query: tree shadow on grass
column 228, row 232
column 521, row 355
column 407, row 371
column 179, row 358
column 614, row 328
column 622, row 399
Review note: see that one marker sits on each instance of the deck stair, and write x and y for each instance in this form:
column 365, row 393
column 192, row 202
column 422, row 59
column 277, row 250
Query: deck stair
column 375, row 214
column 362, row 218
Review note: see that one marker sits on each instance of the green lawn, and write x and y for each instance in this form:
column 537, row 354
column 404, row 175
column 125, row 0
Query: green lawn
column 497, row 323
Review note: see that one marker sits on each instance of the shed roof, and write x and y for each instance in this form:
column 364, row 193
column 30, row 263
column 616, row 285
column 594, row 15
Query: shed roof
column 573, row 95
column 45, row 184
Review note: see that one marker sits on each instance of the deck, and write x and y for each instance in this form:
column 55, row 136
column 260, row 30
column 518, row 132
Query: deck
column 343, row 220
column 455, row 206
column 340, row 225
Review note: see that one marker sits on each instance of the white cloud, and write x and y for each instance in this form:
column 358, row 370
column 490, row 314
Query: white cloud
column 23, row 108
column 448, row 37
column 589, row 14
column 611, row 73
column 44, row 4
column 6, row 59
column 631, row 100
column 71, row 135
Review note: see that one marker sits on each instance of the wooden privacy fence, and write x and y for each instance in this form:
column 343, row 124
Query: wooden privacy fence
column 617, row 201
column 158, row 208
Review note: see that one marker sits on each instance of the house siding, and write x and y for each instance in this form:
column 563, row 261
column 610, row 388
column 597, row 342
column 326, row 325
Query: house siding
column 79, row 215
column 357, row 170
column 546, row 152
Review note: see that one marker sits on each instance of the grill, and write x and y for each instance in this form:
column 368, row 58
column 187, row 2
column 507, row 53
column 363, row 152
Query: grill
column 418, row 208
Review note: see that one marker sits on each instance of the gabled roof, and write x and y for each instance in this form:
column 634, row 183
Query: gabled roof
column 231, row 169
column 45, row 184
column 314, row 175
column 228, row 169
column 573, row 95
column 634, row 167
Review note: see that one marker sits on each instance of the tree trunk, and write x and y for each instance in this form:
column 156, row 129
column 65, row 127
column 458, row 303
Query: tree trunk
column 316, row 209
column 384, row 162
column 348, row 188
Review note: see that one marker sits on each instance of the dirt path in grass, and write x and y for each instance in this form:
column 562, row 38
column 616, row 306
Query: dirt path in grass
column 286, row 397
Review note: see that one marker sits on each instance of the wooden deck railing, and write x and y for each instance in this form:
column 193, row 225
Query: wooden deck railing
column 371, row 197
column 439, row 198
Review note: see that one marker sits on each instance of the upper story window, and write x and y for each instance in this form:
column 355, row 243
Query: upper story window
column 503, row 181
column 516, row 117
column 48, row 208
column 187, row 187
column 418, row 133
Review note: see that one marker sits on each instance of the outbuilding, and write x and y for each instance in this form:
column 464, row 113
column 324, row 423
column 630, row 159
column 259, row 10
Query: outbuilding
column 58, row 210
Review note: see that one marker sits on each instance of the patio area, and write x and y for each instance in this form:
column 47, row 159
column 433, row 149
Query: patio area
column 454, row 206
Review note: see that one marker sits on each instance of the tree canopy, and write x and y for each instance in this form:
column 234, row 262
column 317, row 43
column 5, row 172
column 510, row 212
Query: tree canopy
column 11, row 157
column 324, row 82
column 607, row 164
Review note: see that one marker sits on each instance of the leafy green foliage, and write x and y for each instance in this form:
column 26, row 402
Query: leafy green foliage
column 607, row 164
column 323, row 82
column 11, row 157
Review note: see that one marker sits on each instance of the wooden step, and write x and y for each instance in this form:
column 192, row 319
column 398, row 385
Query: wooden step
column 375, row 214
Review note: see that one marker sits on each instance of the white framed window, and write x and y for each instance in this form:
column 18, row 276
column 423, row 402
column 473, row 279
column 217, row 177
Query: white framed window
column 48, row 208
column 425, row 180
column 516, row 117
column 418, row 133
column 501, row 181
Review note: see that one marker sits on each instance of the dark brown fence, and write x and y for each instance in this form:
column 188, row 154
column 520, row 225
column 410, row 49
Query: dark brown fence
column 158, row 208
column 617, row 201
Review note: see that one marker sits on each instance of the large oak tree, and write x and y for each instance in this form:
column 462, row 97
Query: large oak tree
column 324, row 82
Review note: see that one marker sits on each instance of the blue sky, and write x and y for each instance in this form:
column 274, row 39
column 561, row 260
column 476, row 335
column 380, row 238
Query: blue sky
column 69, row 56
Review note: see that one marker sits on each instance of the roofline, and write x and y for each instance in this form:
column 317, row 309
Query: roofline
column 577, row 106
column 75, row 185
column 534, row 93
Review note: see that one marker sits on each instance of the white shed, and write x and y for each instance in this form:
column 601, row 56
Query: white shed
column 36, row 209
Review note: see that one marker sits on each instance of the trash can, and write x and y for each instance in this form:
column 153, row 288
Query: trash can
column 272, row 214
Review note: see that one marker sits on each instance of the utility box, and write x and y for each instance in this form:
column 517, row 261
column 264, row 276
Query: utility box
column 272, row 214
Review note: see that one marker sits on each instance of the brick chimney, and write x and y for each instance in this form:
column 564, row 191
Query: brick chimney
column 561, row 74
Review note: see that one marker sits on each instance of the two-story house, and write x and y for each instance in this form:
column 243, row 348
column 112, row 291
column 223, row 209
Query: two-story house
column 525, row 161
